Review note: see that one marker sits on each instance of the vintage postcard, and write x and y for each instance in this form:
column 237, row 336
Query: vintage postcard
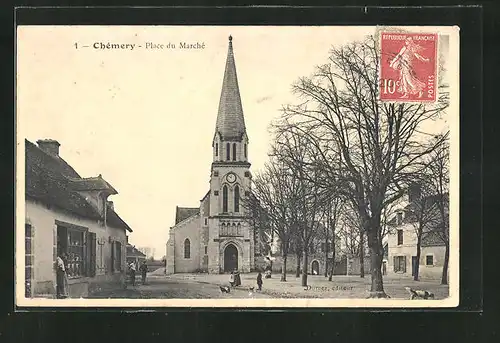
column 237, row 166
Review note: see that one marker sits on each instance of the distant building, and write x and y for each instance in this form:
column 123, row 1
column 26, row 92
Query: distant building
column 402, row 240
column 149, row 252
column 134, row 254
column 66, row 213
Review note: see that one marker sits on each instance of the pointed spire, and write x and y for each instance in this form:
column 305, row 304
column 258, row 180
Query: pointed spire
column 230, row 120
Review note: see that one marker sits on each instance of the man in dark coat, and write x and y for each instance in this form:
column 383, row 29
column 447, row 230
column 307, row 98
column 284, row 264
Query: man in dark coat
column 259, row 281
column 144, row 270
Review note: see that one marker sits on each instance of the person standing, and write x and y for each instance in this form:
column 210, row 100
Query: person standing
column 259, row 281
column 132, row 273
column 144, row 270
column 61, row 282
column 231, row 279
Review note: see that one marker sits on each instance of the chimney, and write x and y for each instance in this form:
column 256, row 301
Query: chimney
column 111, row 205
column 50, row 146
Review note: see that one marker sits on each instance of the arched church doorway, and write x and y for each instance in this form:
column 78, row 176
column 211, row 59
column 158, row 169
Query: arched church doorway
column 315, row 267
column 230, row 258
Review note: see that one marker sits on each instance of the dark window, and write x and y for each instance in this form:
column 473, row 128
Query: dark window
column 216, row 173
column 429, row 260
column 187, row 248
column 247, row 174
column 216, row 193
column 224, row 199
column 245, row 151
column 29, row 256
column 206, row 221
column 399, row 218
column 400, row 237
column 400, row 264
column 237, row 199
column 228, row 151
column 216, row 149
column 76, row 252
column 234, row 151
column 206, row 250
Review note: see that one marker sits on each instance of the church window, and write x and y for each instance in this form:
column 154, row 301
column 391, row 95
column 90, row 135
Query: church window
column 216, row 173
column 247, row 174
column 234, row 151
column 216, row 193
column 216, row 149
column 206, row 221
column 237, row 199
column 224, row 199
column 245, row 150
column 228, row 151
column 206, row 250
column 187, row 248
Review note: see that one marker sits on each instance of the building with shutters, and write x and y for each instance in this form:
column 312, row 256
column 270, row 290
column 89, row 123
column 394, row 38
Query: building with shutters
column 67, row 213
column 214, row 237
column 402, row 237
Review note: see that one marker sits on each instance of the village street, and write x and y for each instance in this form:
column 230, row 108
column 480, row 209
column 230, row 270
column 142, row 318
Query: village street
column 161, row 287
column 206, row 286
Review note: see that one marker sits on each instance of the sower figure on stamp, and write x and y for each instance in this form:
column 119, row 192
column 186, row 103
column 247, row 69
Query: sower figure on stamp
column 409, row 82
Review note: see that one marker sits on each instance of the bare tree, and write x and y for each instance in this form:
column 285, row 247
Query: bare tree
column 439, row 170
column 294, row 152
column 368, row 149
column 273, row 194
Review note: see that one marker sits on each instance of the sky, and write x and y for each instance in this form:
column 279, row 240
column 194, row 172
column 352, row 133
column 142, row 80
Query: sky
column 145, row 118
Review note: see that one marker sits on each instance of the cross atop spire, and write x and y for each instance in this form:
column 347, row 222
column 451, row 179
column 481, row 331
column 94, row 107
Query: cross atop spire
column 230, row 121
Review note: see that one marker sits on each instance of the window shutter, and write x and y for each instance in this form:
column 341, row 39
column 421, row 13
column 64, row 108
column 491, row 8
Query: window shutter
column 112, row 257
column 394, row 263
column 91, row 254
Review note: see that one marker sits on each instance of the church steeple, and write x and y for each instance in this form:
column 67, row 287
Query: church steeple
column 230, row 121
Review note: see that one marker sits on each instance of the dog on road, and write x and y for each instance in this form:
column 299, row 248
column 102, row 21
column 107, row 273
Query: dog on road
column 224, row 289
column 419, row 294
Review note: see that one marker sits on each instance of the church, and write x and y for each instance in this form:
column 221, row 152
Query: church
column 216, row 237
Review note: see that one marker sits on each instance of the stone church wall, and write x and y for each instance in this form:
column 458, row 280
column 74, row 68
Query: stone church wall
column 190, row 229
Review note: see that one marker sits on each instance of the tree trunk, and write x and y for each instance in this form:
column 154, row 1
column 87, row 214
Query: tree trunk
column 377, row 255
column 362, row 255
column 304, row 267
column 297, row 270
column 326, row 257
column 444, row 278
column 417, row 267
column 283, row 270
column 332, row 267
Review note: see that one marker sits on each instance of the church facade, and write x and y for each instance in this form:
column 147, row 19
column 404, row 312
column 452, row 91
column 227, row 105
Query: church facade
column 216, row 237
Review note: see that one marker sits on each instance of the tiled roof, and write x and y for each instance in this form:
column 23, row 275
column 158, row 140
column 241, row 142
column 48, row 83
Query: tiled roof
column 230, row 120
column 132, row 251
column 50, row 180
column 182, row 213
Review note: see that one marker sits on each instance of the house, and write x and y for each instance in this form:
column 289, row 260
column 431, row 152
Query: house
column 65, row 213
column 134, row 255
column 216, row 236
column 402, row 238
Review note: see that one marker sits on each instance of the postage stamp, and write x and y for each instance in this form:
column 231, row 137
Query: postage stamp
column 190, row 166
column 408, row 65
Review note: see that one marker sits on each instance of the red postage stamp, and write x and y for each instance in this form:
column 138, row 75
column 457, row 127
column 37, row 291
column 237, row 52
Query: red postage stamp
column 408, row 67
